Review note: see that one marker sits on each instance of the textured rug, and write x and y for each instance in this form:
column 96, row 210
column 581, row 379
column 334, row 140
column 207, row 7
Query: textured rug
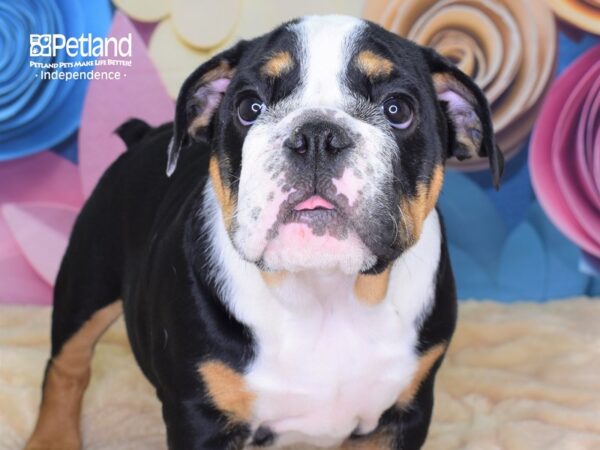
column 519, row 376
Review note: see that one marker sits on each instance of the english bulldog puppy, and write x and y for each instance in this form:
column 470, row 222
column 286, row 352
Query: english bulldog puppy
column 276, row 251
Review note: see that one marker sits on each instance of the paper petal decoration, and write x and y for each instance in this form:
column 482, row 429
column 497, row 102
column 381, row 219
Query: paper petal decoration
column 139, row 93
column 18, row 281
column 563, row 278
column 591, row 265
column 471, row 280
column 173, row 59
column 144, row 10
column 522, row 269
column 584, row 14
column 533, row 261
column 42, row 232
column 472, row 222
column 44, row 177
column 260, row 16
column 205, row 24
column 565, row 157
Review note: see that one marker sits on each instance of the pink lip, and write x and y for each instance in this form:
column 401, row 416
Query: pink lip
column 313, row 202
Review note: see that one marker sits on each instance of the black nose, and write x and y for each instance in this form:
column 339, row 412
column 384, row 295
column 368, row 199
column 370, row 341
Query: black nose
column 318, row 137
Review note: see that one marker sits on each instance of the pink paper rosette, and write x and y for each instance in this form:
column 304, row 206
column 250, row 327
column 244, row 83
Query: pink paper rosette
column 565, row 152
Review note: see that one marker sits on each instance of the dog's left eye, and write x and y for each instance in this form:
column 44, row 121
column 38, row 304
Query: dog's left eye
column 249, row 109
column 399, row 112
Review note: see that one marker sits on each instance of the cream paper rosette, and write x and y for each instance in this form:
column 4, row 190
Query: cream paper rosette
column 584, row 14
column 507, row 46
column 189, row 32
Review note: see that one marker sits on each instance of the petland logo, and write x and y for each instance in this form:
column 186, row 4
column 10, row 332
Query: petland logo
column 48, row 45
column 57, row 57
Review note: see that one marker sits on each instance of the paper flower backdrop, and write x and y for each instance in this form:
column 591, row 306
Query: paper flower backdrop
column 40, row 196
column 502, row 244
column 490, row 260
column 36, row 114
column 188, row 33
column 584, row 14
column 565, row 152
column 507, row 46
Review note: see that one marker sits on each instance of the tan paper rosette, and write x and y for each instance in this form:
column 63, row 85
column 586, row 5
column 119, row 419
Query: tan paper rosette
column 584, row 14
column 507, row 46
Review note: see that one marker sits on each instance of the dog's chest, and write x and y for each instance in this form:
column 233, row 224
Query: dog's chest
column 326, row 364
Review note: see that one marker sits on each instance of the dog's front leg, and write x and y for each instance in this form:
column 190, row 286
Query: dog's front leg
column 196, row 425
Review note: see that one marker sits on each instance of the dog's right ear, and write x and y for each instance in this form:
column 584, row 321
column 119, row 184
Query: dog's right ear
column 199, row 99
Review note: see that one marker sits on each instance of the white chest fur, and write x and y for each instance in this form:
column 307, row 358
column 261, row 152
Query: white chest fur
column 325, row 363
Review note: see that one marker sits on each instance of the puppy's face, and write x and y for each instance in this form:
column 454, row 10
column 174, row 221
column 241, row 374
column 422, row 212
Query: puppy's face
column 329, row 137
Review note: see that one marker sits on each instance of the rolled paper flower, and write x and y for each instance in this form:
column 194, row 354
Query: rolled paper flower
column 196, row 30
column 507, row 46
column 565, row 152
column 584, row 14
column 36, row 114
column 41, row 195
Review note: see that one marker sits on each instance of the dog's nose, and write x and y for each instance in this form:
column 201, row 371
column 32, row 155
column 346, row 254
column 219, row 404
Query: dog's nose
column 313, row 138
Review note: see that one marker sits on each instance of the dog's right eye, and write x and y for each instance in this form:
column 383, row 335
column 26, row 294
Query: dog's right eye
column 249, row 109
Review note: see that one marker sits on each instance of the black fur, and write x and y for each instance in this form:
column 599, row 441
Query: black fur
column 132, row 131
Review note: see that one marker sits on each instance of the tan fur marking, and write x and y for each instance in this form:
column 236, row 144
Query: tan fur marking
column 222, row 192
column 371, row 289
column 223, row 70
column 471, row 146
column 199, row 122
column 417, row 208
column 379, row 441
column 426, row 362
column 446, row 82
column 227, row 390
column 273, row 278
column 278, row 64
column 373, row 65
column 67, row 377
column 465, row 121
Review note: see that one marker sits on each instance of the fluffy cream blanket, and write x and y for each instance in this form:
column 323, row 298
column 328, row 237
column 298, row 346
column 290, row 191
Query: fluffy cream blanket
column 520, row 376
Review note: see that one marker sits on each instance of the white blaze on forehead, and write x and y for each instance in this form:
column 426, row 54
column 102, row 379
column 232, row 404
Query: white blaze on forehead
column 326, row 47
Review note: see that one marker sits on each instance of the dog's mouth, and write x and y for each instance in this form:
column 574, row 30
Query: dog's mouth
column 314, row 203
column 315, row 211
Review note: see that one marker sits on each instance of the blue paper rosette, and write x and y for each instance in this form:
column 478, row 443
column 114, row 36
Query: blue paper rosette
column 36, row 114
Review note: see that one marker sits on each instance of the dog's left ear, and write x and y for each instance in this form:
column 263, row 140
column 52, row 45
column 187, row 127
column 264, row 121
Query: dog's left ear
column 199, row 99
column 468, row 113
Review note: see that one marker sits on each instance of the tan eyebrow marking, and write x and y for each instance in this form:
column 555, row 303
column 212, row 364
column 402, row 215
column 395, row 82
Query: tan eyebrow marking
column 278, row 64
column 373, row 65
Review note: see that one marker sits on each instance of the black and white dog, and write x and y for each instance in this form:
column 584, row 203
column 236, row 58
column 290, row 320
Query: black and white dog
column 289, row 282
